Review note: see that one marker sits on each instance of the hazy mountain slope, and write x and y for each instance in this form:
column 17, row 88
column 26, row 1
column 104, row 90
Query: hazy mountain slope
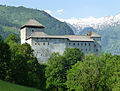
column 108, row 27
column 12, row 18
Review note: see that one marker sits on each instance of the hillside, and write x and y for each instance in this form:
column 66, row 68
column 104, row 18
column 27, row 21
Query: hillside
column 5, row 86
column 12, row 18
column 108, row 27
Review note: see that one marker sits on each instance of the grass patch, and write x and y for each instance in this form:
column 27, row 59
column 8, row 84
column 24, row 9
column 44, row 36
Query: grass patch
column 6, row 86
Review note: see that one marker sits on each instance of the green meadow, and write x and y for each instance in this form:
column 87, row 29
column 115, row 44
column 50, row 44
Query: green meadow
column 6, row 86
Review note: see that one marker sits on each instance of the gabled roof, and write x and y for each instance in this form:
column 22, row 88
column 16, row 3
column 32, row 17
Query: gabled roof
column 33, row 23
column 93, row 34
column 79, row 38
column 69, row 37
column 37, row 34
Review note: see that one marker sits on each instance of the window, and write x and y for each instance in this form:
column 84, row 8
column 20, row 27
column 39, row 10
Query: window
column 35, row 43
column 32, row 30
column 48, row 43
column 69, row 43
column 78, row 43
column 43, row 43
column 95, row 45
column 73, row 43
column 81, row 44
column 89, row 44
column 38, row 43
column 85, row 44
column 96, row 50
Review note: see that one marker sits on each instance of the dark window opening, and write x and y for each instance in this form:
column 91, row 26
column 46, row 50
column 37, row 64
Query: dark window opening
column 73, row 43
column 43, row 43
column 32, row 30
column 96, row 50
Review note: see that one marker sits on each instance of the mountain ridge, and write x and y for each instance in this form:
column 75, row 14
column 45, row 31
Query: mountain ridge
column 108, row 27
column 12, row 18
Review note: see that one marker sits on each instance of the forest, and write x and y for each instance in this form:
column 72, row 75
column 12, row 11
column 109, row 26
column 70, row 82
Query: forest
column 71, row 71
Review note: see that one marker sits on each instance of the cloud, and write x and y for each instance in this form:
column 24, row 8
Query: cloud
column 48, row 11
column 60, row 11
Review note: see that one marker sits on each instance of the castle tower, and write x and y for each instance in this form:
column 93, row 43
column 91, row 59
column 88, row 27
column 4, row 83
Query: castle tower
column 97, row 42
column 27, row 29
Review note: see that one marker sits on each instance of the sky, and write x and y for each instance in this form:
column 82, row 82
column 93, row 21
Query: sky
column 66, row 9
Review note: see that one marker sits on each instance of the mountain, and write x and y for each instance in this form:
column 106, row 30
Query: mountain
column 108, row 27
column 12, row 18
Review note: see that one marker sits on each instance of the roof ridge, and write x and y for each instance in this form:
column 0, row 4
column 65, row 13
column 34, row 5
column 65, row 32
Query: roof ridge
column 32, row 23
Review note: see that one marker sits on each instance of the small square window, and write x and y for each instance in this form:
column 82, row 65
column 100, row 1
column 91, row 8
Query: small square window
column 73, row 43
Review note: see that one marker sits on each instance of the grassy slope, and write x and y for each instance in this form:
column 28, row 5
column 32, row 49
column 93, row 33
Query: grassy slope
column 5, row 86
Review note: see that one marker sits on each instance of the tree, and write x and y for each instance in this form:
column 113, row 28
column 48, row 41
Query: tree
column 11, row 37
column 54, row 71
column 5, row 56
column 72, row 56
column 95, row 74
column 58, row 65
column 84, row 75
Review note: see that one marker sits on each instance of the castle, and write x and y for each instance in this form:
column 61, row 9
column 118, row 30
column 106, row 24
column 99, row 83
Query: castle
column 44, row 45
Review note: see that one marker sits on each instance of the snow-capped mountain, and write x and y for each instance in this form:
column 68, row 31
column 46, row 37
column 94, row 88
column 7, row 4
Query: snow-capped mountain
column 108, row 27
column 96, row 23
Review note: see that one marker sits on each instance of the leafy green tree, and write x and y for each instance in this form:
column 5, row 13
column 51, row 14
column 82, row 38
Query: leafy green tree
column 84, row 75
column 95, row 74
column 109, row 72
column 12, row 38
column 25, row 69
column 55, row 71
column 72, row 56
column 5, row 56
column 58, row 66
